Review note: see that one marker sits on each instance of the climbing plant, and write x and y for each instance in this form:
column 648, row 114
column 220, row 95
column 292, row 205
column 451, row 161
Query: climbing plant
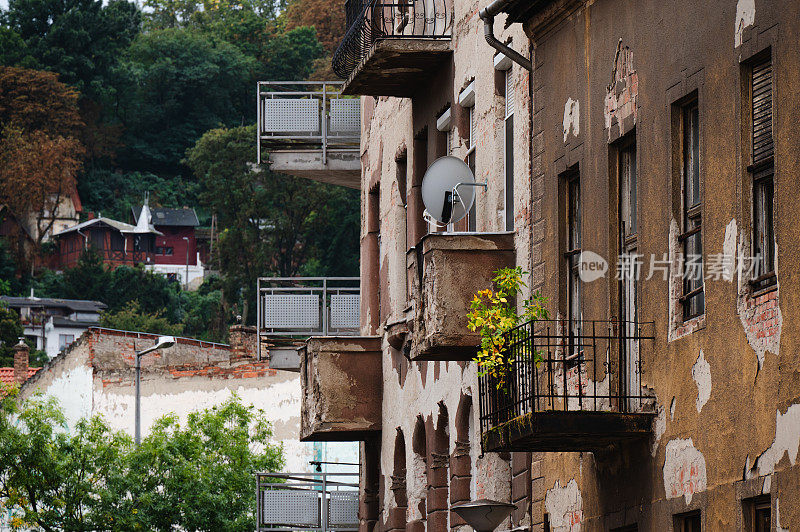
column 493, row 312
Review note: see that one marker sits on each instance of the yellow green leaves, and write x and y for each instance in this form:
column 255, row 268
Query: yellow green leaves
column 493, row 312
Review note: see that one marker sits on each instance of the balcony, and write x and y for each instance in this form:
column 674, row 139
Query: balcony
column 323, row 502
column 390, row 47
column 291, row 308
column 569, row 386
column 341, row 388
column 445, row 270
column 306, row 129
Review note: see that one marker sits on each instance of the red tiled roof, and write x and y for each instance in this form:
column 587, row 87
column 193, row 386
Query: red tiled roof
column 7, row 374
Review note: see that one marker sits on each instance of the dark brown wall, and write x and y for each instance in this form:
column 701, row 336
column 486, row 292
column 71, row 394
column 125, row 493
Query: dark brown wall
column 678, row 48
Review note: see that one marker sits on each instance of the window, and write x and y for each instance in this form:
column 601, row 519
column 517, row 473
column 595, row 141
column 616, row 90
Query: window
column 64, row 340
column 629, row 263
column 472, row 221
column 688, row 522
column 693, row 299
column 762, row 172
column 573, row 251
column 509, row 151
column 757, row 514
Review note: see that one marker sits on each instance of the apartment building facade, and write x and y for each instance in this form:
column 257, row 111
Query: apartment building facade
column 643, row 172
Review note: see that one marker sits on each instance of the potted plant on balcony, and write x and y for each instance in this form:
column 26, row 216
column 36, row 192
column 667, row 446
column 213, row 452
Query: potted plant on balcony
column 493, row 313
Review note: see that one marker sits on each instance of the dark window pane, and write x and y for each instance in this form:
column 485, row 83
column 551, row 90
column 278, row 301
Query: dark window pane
column 509, row 173
column 763, row 520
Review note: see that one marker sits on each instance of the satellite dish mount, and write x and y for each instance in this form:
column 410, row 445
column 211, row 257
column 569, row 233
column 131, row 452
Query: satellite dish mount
column 448, row 191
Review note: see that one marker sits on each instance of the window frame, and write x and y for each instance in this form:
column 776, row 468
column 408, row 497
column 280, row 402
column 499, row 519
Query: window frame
column 681, row 521
column 689, row 143
column 761, row 173
column 471, row 159
column 508, row 151
column 572, row 252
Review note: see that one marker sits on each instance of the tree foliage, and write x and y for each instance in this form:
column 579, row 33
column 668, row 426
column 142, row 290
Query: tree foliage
column 194, row 477
column 131, row 318
column 180, row 84
column 39, row 154
column 10, row 333
column 271, row 224
column 79, row 39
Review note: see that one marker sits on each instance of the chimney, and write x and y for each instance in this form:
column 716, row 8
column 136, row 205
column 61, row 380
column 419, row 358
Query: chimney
column 243, row 341
column 21, row 353
column 90, row 215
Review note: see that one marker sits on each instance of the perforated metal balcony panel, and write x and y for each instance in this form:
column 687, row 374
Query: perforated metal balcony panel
column 291, row 115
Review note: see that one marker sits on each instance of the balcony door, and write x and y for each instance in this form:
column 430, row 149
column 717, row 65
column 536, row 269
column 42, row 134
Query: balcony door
column 628, row 274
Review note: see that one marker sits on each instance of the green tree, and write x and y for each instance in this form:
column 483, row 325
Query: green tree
column 180, row 84
column 131, row 318
column 197, row 476
column 114, row 193
column 79, row 39
column 10, row 333
column 50, row 477
column 271, row 224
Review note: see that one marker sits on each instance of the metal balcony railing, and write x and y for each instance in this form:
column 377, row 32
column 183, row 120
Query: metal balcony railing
column 308, row 306
column 319, row 502
column 306, row 115
column 373, row 20
column 564, row 365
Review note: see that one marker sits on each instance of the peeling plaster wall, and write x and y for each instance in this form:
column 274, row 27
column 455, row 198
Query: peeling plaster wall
column 701, row 373
column 727, row 383
column 412, row 389
column 565, row 506
column 95, row 377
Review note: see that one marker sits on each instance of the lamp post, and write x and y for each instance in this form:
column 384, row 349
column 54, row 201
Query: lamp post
column 186, row 280
column 162, row 343
column 483, row 515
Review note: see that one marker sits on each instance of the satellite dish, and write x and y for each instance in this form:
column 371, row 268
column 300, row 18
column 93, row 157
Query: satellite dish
column 448, row 189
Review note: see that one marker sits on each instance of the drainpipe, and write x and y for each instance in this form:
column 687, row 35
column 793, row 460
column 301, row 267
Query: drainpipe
column 487, row 14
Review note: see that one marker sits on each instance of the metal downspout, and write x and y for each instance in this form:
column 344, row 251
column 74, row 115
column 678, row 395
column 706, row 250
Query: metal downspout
column 487, row 14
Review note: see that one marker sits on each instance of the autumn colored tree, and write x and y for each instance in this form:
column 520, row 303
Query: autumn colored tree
column 37, row 171
column 40, row 155
column 35, row 100
column 327, row 16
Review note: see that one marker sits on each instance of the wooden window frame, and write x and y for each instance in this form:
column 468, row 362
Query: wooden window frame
column 761, row 171
column 692, row 297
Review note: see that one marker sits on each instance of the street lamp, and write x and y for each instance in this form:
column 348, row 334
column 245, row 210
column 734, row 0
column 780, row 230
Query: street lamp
column 162, row 343
column 186, row 280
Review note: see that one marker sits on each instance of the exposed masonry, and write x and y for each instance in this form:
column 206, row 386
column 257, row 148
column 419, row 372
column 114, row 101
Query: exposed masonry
column 745, row 16
column 620, row 102
column 672, row 409
column 677, row 327
column 564, row 504
column 684, row 470
column 760, row 315
column 786, row 442
column 701, row 373
column 572, row 118
column 95, row 376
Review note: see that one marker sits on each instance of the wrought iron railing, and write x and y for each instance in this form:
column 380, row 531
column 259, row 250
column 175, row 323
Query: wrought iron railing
column 306, row 115
column 568, row 365
column 319, row 502
column 373, row 20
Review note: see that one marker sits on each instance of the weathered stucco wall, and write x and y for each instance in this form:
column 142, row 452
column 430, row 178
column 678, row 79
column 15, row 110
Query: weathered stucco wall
column 428, row 454
column 726, row 384
column 95, row 376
